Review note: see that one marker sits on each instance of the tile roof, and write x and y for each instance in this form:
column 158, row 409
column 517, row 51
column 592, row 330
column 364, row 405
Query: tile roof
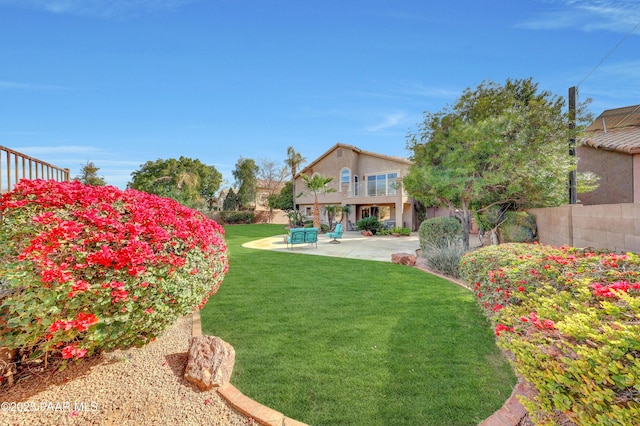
column 355, row 149
column 616, row 130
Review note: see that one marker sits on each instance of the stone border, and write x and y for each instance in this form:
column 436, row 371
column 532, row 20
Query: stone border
column 242, row 403
column 512, row 412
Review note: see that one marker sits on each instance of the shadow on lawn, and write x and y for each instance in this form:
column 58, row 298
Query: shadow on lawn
column 444, row 365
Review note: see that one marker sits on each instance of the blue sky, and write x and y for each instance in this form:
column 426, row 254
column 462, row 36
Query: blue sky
column 121, row 82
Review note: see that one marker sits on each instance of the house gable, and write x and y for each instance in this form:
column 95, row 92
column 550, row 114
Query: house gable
column 358, row 161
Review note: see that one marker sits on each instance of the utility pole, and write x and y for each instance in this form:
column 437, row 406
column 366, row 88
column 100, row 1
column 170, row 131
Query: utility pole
column 573, row 94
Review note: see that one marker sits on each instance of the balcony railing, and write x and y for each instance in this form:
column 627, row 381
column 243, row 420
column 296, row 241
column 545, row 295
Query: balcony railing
column 15, row 166
column 391, row 187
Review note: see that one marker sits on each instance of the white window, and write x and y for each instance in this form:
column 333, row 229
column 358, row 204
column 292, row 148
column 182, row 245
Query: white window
column 345, row 179
column 382, row 184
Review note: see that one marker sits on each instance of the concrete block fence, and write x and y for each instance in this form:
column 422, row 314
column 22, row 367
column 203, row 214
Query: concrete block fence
column 615, row 227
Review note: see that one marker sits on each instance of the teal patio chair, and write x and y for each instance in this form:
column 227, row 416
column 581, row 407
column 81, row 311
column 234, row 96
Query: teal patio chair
column 337, row 233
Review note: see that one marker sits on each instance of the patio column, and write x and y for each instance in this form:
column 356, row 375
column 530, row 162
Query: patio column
column 399, row 213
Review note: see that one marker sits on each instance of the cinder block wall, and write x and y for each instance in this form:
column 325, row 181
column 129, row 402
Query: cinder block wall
column 554, row 225
column 615, row 227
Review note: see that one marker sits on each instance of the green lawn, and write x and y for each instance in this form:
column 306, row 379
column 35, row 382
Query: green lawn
column 331, row 341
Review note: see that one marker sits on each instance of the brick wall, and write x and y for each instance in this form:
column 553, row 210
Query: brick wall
column 611, row 226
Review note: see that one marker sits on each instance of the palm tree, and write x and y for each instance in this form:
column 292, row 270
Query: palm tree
column 317, row 184
column 294, row 159
column 345, row 210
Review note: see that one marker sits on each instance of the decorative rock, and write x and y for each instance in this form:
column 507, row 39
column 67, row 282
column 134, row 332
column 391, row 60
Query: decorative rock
column 210, row 362
column 7, row 366
column 403, row 259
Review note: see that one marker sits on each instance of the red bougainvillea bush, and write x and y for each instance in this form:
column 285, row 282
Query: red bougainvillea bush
column 87, row 268
column 571, row 320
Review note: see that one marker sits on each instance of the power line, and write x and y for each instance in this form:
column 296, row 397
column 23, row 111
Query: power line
column 610, row 52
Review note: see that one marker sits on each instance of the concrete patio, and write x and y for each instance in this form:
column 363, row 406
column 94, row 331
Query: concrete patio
column 351, row 245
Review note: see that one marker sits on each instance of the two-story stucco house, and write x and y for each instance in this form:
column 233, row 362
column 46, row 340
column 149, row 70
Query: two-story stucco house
column 370, row 183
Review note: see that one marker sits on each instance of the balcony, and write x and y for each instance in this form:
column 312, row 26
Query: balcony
column 15, row 166
column 376, row 188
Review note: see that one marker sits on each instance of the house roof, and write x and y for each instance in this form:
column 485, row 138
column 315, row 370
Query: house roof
column 356, row 149
column 616, row 130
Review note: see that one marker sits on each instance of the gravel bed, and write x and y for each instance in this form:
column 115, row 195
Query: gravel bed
column 138, row 386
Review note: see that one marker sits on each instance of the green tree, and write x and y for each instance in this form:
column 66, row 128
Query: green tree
column 331, row 211
column 293, row 161
column 209, row 186
column 245, row 175
column 499, row 144
column 231, row 201
column 185, row 180
column 89, row 175
column 317, row 184
column 283, row 200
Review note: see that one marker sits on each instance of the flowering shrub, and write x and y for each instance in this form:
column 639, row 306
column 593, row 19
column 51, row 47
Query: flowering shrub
column 88, row 269
column 571, row 320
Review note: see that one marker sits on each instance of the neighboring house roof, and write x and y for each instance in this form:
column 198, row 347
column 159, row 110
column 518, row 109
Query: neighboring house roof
column 356, row 149
column 616, row 130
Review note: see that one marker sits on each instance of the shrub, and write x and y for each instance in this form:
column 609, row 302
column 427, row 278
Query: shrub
column 571, row 320
column 444, row 259
column 93, row 268
column 439, row 232
column 518, row 227
column 405, row 232
column 489, row 218
column 234, row 216
column 370, row 223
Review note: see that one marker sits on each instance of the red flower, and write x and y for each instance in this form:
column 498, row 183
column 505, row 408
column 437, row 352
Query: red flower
column 80, row 285
column 68, row 352
column 501, row 327
column 56, row 326
column 119, row 296
column 84, row 321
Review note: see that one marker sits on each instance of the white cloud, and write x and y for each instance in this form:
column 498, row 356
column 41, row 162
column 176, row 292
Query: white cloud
column 389, row 120
column 28, row 86
column 588, row 15
column 101, row 8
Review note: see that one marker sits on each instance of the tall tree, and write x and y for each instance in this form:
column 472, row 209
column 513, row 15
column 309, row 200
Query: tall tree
column 293, row 161
column 271, row 177
column 317, row 184
column 89, row 175
column 499, row 144
column 231, row 201
column 245, row 175
column 185, row 180
column 209, row 186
